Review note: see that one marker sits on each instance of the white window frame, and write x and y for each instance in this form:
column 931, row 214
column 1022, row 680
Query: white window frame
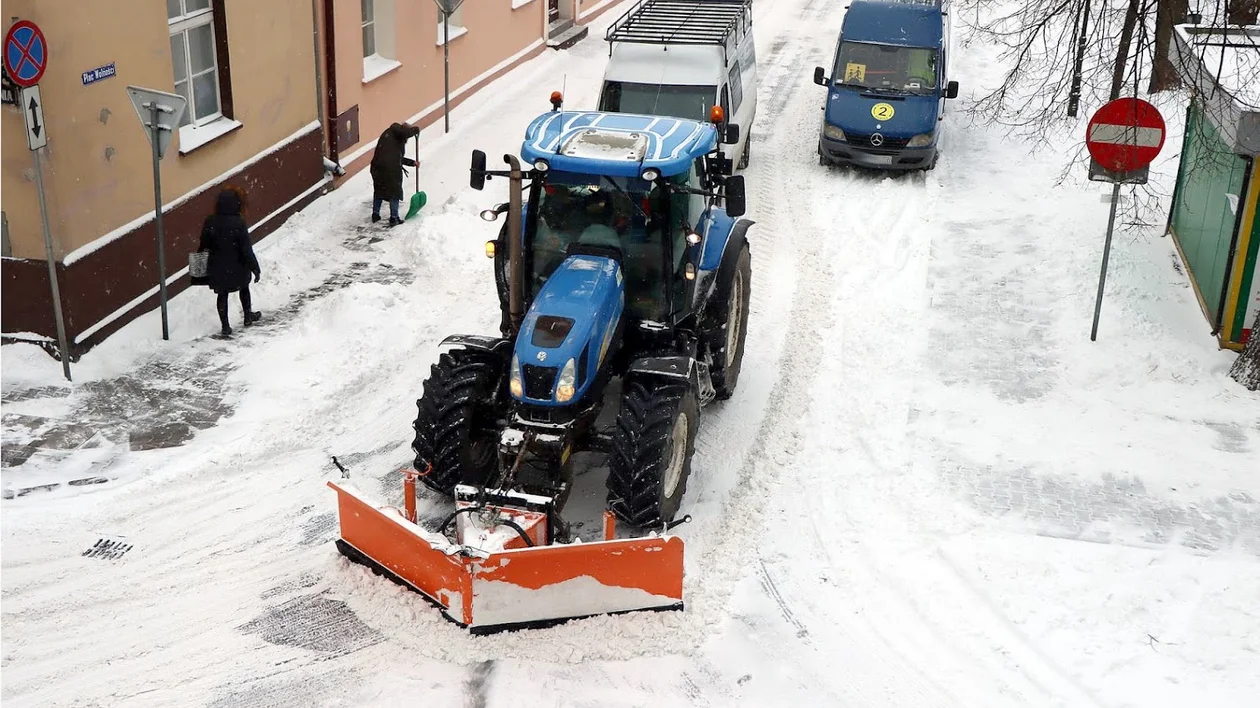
column 457, row 25
column 383, row 59
column 363, row 24
column 181, row 25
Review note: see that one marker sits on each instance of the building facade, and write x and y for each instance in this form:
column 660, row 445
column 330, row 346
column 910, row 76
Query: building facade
column 382, row 62
column 1214, row 221
column 286, row 99
column 248, row 71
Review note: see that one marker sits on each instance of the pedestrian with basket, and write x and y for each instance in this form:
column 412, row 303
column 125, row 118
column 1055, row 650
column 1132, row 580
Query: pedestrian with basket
column 230, row 256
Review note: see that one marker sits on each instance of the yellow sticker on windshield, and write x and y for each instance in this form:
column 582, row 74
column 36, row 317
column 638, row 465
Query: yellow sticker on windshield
column 854, row 72
column 882, row 111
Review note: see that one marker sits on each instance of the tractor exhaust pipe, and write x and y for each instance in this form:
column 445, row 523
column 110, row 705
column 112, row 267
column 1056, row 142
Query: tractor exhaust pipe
column 516, row 266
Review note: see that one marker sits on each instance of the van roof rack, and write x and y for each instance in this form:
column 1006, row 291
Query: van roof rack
column 710, row 22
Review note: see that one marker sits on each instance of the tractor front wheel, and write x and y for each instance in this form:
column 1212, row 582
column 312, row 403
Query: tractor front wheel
column 652, row 448
column 456, row 427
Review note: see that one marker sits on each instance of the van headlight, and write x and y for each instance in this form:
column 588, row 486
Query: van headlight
column 514, row 379
column 834, row 133
column 566, row 385
column 920, row 141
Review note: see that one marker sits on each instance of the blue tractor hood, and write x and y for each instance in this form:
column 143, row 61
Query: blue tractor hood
column 850, row 110
column 573, row 318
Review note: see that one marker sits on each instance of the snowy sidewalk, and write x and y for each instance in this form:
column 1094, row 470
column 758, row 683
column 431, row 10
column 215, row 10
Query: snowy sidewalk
column 163, row 401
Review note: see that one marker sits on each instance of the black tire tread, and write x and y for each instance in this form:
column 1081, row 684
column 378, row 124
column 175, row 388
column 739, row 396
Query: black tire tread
column 636, row 464
column 724, row 382
column 461, row 380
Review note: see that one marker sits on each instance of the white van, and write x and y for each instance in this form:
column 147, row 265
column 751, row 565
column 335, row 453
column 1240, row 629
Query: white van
column 680, row 58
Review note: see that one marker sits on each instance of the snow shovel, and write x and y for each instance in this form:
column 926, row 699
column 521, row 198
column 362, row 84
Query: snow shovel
column 419, row 199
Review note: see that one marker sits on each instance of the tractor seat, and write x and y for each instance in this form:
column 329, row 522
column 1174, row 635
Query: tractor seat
column 600, row 235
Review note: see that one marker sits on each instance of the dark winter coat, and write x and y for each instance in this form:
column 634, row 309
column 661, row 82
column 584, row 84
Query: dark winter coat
column 226, row 237
column 388, row 161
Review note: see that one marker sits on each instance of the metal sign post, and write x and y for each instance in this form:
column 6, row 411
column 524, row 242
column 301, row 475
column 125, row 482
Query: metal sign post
column 25, row 60
column 447, row 8
column 36, row 139
column 160, row 113
column 1123, row 137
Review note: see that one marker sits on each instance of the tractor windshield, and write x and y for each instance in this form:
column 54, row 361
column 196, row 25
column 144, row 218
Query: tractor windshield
column 620, row 212
column 881, row 66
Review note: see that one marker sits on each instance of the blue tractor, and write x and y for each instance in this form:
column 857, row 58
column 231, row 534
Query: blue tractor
column 626, row 285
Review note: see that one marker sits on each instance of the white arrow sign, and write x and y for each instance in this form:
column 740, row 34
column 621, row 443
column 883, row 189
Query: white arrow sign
column 32, row 106
column 170, row 111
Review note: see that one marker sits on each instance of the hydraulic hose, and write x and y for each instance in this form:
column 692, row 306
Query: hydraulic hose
column 505, row 522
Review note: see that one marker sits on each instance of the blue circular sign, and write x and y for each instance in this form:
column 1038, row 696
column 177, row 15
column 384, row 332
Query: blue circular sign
column 25, row 53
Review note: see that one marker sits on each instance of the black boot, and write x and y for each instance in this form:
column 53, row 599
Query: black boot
column 376, row 218
column 394, row 221
column 252, row 317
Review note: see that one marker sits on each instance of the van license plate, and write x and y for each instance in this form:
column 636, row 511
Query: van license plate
column 880, row 159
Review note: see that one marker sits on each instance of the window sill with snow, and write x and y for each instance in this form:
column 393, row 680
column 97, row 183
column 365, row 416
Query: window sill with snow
column 456, row 33
column 376, row 66
column 517, row 4
column 192, row 137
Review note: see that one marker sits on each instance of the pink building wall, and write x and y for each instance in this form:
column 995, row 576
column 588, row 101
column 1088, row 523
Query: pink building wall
column 497, row 38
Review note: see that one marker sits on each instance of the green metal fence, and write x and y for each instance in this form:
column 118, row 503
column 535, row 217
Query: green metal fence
column 1209, row 182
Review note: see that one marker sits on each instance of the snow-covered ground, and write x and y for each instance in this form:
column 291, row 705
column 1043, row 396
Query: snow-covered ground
column 931, row 488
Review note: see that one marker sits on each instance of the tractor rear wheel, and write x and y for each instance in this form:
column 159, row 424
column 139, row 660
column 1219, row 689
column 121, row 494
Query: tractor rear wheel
column 456, row 427
column 728, row 318
column 652, row 447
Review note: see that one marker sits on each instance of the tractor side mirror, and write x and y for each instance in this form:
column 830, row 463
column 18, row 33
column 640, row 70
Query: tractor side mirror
column 820, row 76
column 735, row 205
column 493, row 214
column 732, row 133
column 951, row 89
column 478, row 169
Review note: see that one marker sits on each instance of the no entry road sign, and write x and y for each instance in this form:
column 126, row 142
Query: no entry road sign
column 25, row 53
column 1125, row 135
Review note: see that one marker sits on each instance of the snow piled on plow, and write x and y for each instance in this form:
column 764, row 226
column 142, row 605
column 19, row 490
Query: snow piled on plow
column 496, row 602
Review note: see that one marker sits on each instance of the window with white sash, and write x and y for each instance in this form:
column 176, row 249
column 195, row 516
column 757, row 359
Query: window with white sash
column 194, row 58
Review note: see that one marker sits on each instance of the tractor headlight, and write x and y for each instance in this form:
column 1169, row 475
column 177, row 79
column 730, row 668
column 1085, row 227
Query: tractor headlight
column 834, row 133
column 920, row 141
column 692, row 237
column 566, row 385
column 514, row 379
column 490, row 247
column 541, row 165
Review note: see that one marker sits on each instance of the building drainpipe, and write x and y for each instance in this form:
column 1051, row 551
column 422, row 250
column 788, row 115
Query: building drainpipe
column 329, row 165
column 1233, row 243
column 330, row 80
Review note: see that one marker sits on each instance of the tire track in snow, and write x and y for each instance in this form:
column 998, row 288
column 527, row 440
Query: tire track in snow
column 895, row 619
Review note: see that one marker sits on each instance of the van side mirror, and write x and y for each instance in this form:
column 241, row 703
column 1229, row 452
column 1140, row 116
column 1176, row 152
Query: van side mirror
column 820, row 76
column 478, row 170
column 735, row 204
column 951, row 89
column 732, row 133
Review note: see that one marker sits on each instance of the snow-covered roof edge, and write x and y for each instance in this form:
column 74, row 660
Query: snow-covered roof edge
column 1237, row 123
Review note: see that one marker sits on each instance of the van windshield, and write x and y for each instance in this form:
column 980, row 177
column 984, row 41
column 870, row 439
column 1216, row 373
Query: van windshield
column 689, row 102
column 881, row 66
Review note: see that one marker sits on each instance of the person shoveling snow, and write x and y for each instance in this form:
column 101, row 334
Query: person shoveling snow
column 388, row 168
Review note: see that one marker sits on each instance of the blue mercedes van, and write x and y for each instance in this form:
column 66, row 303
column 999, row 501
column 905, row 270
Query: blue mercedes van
column 888, row 85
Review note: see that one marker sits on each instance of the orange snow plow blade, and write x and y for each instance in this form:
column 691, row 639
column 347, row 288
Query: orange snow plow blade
column 512, row 588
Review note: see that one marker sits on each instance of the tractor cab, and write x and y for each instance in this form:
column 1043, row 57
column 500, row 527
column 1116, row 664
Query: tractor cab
column 614, row 220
